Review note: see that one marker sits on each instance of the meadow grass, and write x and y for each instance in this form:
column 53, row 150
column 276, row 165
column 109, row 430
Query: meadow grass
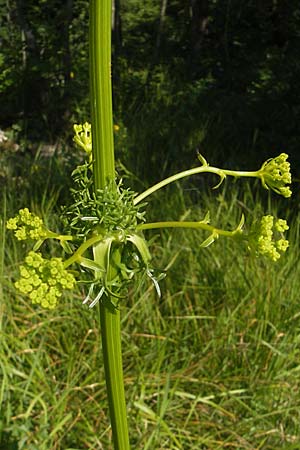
column 213, row 364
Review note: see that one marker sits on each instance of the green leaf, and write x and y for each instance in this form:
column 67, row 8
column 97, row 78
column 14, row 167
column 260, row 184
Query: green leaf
column 90, row 264
column 142, row 247
column 209, row 240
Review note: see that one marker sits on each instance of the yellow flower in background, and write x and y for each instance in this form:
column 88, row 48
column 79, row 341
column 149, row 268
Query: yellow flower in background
column 83, row 137
column 116, row 127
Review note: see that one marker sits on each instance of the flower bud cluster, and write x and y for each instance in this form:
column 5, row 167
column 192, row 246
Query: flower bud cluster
column 27, row 225
column 83, row 138
column 275, row 174
column 44, row 280
column 111, row 208
column 267, row 237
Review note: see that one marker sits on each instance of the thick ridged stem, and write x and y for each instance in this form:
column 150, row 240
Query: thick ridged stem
column 101, row 91
column 104, row 169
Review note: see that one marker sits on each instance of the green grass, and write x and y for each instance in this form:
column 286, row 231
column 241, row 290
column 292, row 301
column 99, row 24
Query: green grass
column 214, row 364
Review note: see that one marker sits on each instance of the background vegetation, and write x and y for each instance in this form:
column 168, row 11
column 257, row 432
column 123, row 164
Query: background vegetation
column 214, row 364
column 219, row 75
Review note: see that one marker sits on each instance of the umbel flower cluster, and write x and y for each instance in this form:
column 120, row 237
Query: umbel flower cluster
column 275, row 175
column 44, row 280
column 27, row 226
column 267, row 237
column 83, row 138
column 105, row 228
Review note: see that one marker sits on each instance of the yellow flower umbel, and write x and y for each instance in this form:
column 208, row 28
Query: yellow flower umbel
column 27, row 225
column 266, row 237
column 44, row 280
column 83, row 138
column 275, row 174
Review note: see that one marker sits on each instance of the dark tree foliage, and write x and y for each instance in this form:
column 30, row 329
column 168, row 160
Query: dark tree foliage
column 40, row 43
column 221, row 76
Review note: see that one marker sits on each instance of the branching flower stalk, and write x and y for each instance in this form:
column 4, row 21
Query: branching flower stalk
column 274, row 174
column 103, row 244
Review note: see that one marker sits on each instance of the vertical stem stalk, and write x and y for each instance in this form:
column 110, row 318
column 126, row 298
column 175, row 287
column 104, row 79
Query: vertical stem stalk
column 104, row 169
column 101, row 91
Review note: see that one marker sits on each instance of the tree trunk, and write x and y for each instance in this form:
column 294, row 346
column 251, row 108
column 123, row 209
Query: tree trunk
column 64, row 32
column 199, row 23
column 32, row 84
column 160, row 27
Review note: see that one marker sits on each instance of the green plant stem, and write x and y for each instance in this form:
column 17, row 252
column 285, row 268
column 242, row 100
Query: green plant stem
column 60, row 237
column 100, row 91
column 104, row 170
column 186, row 173
column 196, row 225
column 112, row 357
